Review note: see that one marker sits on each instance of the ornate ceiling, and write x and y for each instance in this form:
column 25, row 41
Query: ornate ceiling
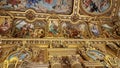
column 82, row 19
column 40, row 29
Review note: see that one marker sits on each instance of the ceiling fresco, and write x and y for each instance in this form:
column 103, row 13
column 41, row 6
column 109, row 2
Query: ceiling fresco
column 78, row 19
column 43, row 6
column 96, row 6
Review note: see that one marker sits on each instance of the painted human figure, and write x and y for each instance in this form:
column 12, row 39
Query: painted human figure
column 94, row 7
column 82, row 31
column 87, row 3
column 82, row 28
column 95, row 30
column 74, row 32
column 53, row 28
column 104, row 5
column 23, row 32
column 5, row 26
column 48, row 1
column 31, row 3
column 65, row 30
column 13, row 2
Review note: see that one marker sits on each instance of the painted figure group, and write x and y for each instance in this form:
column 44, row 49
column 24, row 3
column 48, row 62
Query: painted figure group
column 57, row 6
column 98, row 6
column 38, row 29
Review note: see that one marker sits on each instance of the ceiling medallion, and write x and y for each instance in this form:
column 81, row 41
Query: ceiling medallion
column 75, row 18
column 30, row 15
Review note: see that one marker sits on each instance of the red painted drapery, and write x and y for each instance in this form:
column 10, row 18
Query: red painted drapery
column 49, row 1
column 13, row 2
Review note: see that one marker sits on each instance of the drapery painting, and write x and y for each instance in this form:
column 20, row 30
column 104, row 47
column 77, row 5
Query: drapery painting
column 44, row 6
column 95, row 6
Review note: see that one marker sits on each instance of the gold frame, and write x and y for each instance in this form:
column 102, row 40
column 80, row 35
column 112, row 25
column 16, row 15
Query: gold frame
column 58, row 26
column 99, row 28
